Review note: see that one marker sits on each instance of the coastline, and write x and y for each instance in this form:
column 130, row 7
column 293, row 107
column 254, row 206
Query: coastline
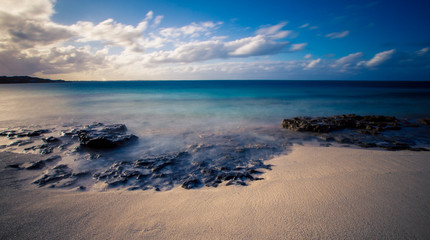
column 313, row 192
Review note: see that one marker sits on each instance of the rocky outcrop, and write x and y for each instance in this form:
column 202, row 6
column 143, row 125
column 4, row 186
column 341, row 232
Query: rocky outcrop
column 105, row 136
column 371, row 124
column 363, row 131
column 166, row 171
column 11, row 134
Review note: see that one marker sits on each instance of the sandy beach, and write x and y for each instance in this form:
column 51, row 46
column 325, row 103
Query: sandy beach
column 311, row 193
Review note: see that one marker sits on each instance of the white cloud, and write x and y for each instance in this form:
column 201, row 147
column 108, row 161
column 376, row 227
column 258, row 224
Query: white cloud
column 270, row 30
column 216, row 49
column 112, row 33
column 298, row 47
column 28, row 9
column 258, row 45
column 313, row 63
column 32, row 44
column 193, row 30
column 379, row 58
column 347, row 61
column 304, row 25
column 335, row 35
column 157, row 21
column 274, row 31
column 423, row 51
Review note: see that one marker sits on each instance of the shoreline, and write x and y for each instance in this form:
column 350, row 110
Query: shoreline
column 313, row 192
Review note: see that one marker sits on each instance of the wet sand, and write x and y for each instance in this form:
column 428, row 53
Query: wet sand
column 311, row 193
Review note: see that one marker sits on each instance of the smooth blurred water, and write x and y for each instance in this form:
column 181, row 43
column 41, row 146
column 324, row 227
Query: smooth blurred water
column 174, row 105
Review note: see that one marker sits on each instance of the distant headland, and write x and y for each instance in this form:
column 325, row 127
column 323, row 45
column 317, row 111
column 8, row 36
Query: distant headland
column 26, row 79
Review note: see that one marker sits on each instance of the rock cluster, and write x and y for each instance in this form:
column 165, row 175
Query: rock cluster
column 363, row 131
column 11, row 134
column 371, row 124
column 163, row 172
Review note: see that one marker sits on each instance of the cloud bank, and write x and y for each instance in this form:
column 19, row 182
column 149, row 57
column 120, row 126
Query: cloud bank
column 32, row 44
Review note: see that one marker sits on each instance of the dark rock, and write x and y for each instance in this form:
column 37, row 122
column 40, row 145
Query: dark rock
column 20, row 143
column 191, row 183
column 50, row 139
column 46, row 150
column 53, row 158
column 394, row 146
column 235, row 176
column 105, row 136
column 350, row 121
column 57, row 173
column 34, row 165
column 419, row 149
column 116, row 181
column 366, row 144
column 37, row 132
column 233, row 182
column 364, row 131
column 425, row 121
column 14, row 165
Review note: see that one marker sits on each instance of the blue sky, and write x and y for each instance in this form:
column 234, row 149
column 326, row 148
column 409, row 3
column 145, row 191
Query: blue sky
column 188, row 39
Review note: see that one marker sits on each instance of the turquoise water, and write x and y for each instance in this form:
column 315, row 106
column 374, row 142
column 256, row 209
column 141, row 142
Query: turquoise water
column 209, row 104
column 218, row 123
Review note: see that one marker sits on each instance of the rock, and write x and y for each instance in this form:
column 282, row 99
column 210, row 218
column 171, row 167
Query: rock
column 24, row 133
column 50, row 139
column 46, row 150
column 34, row 165
column 366, row 144
column 233, row 182
column 364, row 131
column 425, row 121
column 57, row 173
column 101, row 136
column 20, row 143
column 419, row 149
column 350, row 121
column 53, row 158
column 191, row 183
column 37, row 132
column 393, row 146
column 14, row 166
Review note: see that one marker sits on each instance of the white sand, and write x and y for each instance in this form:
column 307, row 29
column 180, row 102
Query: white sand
column 311, row 193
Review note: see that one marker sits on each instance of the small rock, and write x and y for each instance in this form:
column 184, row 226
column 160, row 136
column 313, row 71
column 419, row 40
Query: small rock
column 425, row 121
column 34, row 165
column 191, row 183
column 50, row 139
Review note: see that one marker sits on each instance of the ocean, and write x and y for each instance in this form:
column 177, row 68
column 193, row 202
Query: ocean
column 210, row 119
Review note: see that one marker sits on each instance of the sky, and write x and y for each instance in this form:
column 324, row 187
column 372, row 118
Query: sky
column 235, row 39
